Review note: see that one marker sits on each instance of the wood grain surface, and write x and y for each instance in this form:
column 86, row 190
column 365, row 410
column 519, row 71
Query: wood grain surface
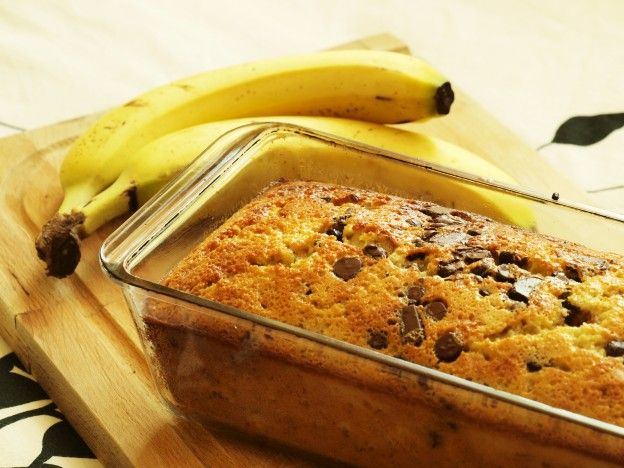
column 77, row 336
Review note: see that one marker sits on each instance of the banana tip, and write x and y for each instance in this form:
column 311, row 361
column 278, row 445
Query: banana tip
column 444, row 97
column 58, row 245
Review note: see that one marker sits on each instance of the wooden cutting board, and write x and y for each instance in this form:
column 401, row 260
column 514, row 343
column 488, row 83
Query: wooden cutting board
column 77, row 336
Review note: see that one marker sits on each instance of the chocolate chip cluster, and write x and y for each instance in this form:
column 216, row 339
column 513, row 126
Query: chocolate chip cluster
column 450, row 240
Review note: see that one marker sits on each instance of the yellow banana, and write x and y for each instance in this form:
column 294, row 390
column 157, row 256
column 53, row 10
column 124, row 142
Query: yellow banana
column 159, row 161
column 376, row 86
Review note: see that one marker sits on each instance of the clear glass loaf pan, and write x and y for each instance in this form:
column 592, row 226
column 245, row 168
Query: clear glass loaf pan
column 230, row 368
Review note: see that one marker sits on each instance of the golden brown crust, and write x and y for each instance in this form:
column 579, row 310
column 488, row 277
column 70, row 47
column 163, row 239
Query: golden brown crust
column 518, row 311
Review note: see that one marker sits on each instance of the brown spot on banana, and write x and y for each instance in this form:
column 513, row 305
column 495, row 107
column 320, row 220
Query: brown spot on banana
column 135, row 103
column 133, row 200
column 183, row 86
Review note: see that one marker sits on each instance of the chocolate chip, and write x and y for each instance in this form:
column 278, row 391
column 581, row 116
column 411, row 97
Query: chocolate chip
column 481, row 270
column 339, row 224
column 347, row 267
column 475, row 255
column 615, row 348
column 533, row 366
column 416, row 293
column 416, row 256
column 503, row 273
column 448, row 347
column 435, row 210
column 484, row 292
column 337, row 228
column 568, row 305
column 446, row 219
column 412, row 329
column 473, row 232
column 505, row 257
column 428, row 234
column 523, row 288
column 447, row 269
column 334, row 232
column 572, row 273
column 449, row 238
column 436, row 310
column 576, row 317
column 374, row 251
column 414, row 222
column 462, row 214
column 377, row 339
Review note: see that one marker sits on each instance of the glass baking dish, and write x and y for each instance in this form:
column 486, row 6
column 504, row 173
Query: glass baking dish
column 225, row 367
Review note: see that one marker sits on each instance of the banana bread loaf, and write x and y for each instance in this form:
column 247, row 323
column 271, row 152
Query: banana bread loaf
column 518, row 311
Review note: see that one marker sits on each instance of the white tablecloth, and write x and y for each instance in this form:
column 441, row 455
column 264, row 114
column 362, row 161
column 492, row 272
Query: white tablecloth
column 532, row 64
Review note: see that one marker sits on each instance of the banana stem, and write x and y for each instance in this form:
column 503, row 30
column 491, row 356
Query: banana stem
column 58, row 245
column 444, row 97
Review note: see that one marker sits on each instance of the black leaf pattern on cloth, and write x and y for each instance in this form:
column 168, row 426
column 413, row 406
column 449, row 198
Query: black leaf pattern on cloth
column 49, row 410
column 585, row 130
column 17, row 389
column 60, row 439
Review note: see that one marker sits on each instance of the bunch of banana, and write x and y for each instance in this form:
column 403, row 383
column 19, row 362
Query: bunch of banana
column 374, row 86
column 133, row 150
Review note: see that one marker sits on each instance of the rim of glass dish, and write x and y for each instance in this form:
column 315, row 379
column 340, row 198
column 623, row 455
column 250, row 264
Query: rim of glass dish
column 259, row 131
